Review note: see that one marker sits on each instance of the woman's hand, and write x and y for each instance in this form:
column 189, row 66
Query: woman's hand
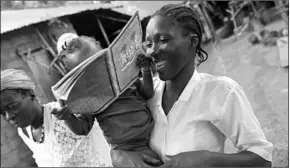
column 213, row 159
column 62, row 112
column 122, row 158
column 189, row 159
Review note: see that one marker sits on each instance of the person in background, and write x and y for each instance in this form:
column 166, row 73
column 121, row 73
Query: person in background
column 50, row 140
column 195, row 112
column 127, row 122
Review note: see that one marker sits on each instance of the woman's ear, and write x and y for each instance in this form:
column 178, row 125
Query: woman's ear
column 193, row 39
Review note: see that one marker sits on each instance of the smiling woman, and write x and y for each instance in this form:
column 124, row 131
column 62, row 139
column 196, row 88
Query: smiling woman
column 195, row 112
column 50, row 140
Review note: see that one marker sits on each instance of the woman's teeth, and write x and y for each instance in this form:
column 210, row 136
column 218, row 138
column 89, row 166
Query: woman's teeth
column 160, row 65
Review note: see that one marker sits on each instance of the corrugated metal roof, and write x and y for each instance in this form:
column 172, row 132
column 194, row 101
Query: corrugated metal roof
column 145, row 8
column 15, row 19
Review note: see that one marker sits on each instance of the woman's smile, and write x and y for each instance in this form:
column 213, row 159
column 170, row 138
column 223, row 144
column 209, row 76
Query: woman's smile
column 160, row 65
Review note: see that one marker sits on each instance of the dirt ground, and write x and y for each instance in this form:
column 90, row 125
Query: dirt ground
column 257, row 69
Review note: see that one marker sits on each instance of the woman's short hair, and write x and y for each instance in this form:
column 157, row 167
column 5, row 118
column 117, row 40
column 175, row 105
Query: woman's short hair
column 189, row 21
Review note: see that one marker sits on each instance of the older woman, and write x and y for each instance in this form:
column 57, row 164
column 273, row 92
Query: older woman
column 51, row 141
column 195, row 112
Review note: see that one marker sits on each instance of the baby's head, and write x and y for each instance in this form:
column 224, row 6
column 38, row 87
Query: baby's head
column 75, row 49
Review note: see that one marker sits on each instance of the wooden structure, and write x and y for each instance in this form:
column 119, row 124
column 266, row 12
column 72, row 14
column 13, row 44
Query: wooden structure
column 32, row 46
column 28, row 42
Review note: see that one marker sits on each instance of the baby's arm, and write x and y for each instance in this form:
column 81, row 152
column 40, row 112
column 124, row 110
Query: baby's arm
column 145, row 85
column 80, row 125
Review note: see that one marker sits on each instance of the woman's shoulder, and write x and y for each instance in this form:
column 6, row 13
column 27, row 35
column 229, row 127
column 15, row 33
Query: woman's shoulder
column 219, row 81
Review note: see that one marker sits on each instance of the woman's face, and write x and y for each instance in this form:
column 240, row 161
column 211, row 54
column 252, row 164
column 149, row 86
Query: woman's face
column 170, row 49
column 17, row 108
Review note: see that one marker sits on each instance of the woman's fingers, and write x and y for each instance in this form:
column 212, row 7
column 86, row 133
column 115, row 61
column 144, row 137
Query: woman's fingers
column 167, row 164
column 151, row 160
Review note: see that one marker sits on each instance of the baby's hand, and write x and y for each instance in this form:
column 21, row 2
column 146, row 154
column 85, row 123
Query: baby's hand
column 62, row 112
column 143, row 61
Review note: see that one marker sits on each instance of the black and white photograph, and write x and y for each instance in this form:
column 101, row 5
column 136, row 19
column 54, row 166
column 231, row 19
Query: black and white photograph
column 200, row 83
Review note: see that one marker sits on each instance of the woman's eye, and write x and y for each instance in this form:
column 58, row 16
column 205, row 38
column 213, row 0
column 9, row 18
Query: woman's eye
column 164, row 40
column 149, row 45
column 12, row 106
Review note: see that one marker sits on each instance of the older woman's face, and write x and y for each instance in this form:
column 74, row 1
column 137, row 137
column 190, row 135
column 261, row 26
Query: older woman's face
column 17, row 108
column 170, row 49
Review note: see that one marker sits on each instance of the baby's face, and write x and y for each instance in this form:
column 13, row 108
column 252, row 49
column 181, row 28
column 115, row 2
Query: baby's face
column 73, row 59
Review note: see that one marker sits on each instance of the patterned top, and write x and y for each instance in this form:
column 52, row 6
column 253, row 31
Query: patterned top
column 62, row 148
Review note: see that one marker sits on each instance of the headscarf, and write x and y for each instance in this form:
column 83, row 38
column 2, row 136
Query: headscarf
column 15, row 79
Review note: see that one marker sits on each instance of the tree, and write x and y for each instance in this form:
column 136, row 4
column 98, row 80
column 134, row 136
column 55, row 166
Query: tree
column 215, row 38
column 202, row 5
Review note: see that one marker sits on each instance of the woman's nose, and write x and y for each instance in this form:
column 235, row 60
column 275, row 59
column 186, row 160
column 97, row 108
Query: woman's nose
column 9, row 116
column 152, row 52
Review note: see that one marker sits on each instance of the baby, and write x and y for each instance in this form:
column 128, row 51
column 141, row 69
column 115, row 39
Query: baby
column 127, row 122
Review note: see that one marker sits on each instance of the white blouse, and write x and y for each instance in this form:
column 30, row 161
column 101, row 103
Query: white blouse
column 209, row 110
column 62, row 148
